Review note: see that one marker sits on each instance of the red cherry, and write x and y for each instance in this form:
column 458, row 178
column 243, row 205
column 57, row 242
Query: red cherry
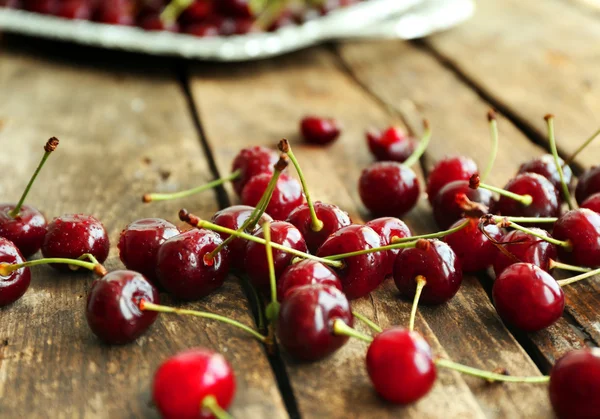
column 113, row 311
column 184, row 381
column 236, row 8
column 527, row 297
column 546, row 167
column 473, row 248
column 447, row 170
column 153, row 22
column 332, row 217
column 360, row 274
column 320, row 131
column 73, row 235
column 545, row 197
column 139, row 243
column 581, row 228
column 400, row 365
column 287, row 194
column 306, row 272
column 306, row 317
column 388, row 188
column 575, row 385
column 182, row 269
column 393, row 144
column 26, row 231
column 197, row 12
column 447, row 207
column 14, row 285
column 237, row 26
column 46, row 7
column 252, row 161
column 588, row 184
column 255, row 262
column 202, row 30
column 525, row 248
column 434, row 260
column 591, row 202
column 388, row 228
column 114, row 12
column 74, row 9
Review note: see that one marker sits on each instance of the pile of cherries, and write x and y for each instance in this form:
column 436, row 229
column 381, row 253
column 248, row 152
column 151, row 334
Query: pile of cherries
column 309, row 259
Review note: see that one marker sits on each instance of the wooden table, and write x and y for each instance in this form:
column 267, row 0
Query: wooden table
column 131, row 124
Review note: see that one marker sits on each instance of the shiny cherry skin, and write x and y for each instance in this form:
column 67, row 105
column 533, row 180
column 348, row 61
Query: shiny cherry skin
column 286, row 197
column 545, row 166
column 114, row 12
column 235, row 8
column 252, row 161
column 306, row 272
column 26, row 231
column 182, row 268
column 139, row 243
column 360, row 274
column 393, row 144
column 333, row 219
column 113, row 306
column 400, row 365
column 447, row 208
column 575, row 385
column 203, row 30
column 306, row 317
column 388, row 228
column 588, row 184
column 473, row 248
column 447, row 170
column 592, row 202
column 388, row 188
column 183, row 381
column 523, row 247
column 74, row 9
column 255, row 262
column 320, row 131
column 528, row 297
column 46, row 7
column 233, row 217
column 545, row 197
column 13, row 286
column 153, row 22
column 581, row 228
column 196, row 12
column 434, row 260
column 72, row 235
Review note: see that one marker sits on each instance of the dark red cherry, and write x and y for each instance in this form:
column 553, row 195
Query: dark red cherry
column 255, row 262
column 527, row 297
column 581, row 228
column 522, row 247
column 252, row 161
column 286, row 197
column 14, row 285
column 197, row 12
column 434, row 260
column 400, row 365
column 388, row 228
column 545, row 166
column 153, row 22
column 233, row 217
column 360, row 274
column 202, row 30
column 575, row 385
column 114, row 12
column 139, row 243
column 393, row 144
column 182, row 383
column 73, row 235
column 588, row 184
column 592, row 202
column 447, row 170
column 306, row 317
column 447, row 207
column 545, row 197
column 46, row 7
column 306, row 272
column 320, row 131
column 333, row 219
column 113, row 311
column 473, row 248
column 26, row 231
column 237, row 26
column 388, row 188
column 236, row 8
column 74, row 9
column 182, row 268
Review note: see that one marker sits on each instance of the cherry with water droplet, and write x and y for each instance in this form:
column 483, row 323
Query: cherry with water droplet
column 448, row 170
column 14, row 284
column 546, row 167
column 519, row 246
column 388, row 228
column 306, row 272
column 580, row 229
column 472, row 247
column 252, row 161
column 588, row 184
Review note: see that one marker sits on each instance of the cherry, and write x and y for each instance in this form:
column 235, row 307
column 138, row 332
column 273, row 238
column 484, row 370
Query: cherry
column 139, row 243
column 400, row 365
column 15, row 283
column 472, row 247
column 252, row 161
column 238, row 26
column 197, row 12
column 518, row 246
column 588, row 184
column 447, row 170
column 592, row 202
column 575, row 384
column 153, row 22
column 182, row 268
column 580, row 229
column 74, row 9
column 114, row 12
column 528, row 297
column 287, row 194
column 306, row 272
column 196, row 383
column 112, row 310
column 320, row 131
column 201, row 29
column 236, row 8
column 448, row 205
column 393, row 144
column 545, row 166
column 363, row 273
column 73, row 235
column 306, row 319
column 388, row 228
column 46, row 7
column 544, row 197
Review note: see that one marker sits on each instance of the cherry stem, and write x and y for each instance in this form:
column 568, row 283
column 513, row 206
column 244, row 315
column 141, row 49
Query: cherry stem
column 147, row 306
column 506, row 222
column 573, row 279
column 582, row 146
column 531, row 219
column 172, row 11
column 494, row 135
column 273, row 308
column 284, row 146
column 416, row 155
column 523, row 199
column 398, row 240
column 552, row 139
column 7, row 268
column 340, row 328
column 196, row 221
column 368, row 322
column 210, row 403
column 150, row 197
column 372, row 250
column 50, row 146
column 488, row 375
column 553, row 264
column 421, row 282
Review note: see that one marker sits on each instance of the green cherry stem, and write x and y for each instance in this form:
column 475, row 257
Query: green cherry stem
column 340, row 328
column 151, row 197
column 50, row 146
column 368, row 322
column 475, row 182
column 372, row 250
column 421, row 282
column 439, row 234
column 532, row 219
column 582, row 146
column 273, row 308
column 7, row 268
column 553, row 264
column 559, row 168
column 172, row 11
column 506, row 222
column 210, row 403
column 577, row 278
column 488, row 375
column 494, row 135
column 416, row 155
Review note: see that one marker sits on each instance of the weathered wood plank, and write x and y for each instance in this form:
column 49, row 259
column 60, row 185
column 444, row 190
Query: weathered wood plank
column 109, row 119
